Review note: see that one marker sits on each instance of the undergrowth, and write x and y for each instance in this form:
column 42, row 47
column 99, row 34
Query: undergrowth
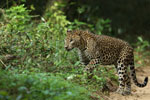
column 39, row 86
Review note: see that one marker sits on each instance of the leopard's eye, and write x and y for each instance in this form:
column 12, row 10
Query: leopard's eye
column 71, row 40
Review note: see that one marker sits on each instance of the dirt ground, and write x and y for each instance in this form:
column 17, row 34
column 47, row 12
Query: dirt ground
column 137, row 93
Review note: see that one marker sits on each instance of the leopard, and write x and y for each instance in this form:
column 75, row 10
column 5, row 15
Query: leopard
column 94, row 49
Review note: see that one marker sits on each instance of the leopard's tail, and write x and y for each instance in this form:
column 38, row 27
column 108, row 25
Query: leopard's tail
column 133, row 75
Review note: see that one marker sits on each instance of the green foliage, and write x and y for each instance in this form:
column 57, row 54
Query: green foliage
column 102, row 25
column 38, row 86
column 18, row 19
column 14, row 31
column 142, row 52
column 86, row 13
column 98, row 80
column 142, row 44
column 76, row 24
column 35, row 45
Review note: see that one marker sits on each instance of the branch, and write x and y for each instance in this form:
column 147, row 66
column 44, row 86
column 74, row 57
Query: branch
column 3, row 63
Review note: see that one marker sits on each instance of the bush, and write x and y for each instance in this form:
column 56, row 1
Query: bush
column 142, row 44
column 35, row 45
column 39, row 86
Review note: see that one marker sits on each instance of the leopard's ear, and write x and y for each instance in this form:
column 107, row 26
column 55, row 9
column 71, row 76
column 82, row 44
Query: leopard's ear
column 77, row 32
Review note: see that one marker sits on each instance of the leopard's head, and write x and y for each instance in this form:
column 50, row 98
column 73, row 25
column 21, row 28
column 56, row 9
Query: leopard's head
column 72, row 40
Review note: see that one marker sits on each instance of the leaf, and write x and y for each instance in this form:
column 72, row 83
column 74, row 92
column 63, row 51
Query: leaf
column 22, row 88
column 140, row 39
column 46, row 92
column 42, row 19
column 3, row 93
column 32, row 7
column 23, row 0
column 77, row 63
column 19, row 97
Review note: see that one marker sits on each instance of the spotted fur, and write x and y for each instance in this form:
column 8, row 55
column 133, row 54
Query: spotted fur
column 100, row 49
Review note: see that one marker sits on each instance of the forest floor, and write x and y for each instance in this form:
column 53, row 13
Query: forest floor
column 137, row 93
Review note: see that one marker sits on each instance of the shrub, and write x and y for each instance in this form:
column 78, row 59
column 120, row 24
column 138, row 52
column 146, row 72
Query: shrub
column 39, row 86
column 35, row 45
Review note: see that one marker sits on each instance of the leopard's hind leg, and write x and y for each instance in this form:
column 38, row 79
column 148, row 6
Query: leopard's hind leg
column 122, row 75
column 124, row 79
column 127, row 85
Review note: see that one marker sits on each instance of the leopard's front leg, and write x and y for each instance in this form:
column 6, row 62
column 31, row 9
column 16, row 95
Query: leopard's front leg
column 90, row 67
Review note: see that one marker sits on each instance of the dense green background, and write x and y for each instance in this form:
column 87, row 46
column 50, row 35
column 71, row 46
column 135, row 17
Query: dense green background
column 128, row 18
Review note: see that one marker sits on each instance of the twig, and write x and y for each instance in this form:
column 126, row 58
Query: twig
column 3, row 14
column 35, row 16
column 3, row 63
column 105, row 96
